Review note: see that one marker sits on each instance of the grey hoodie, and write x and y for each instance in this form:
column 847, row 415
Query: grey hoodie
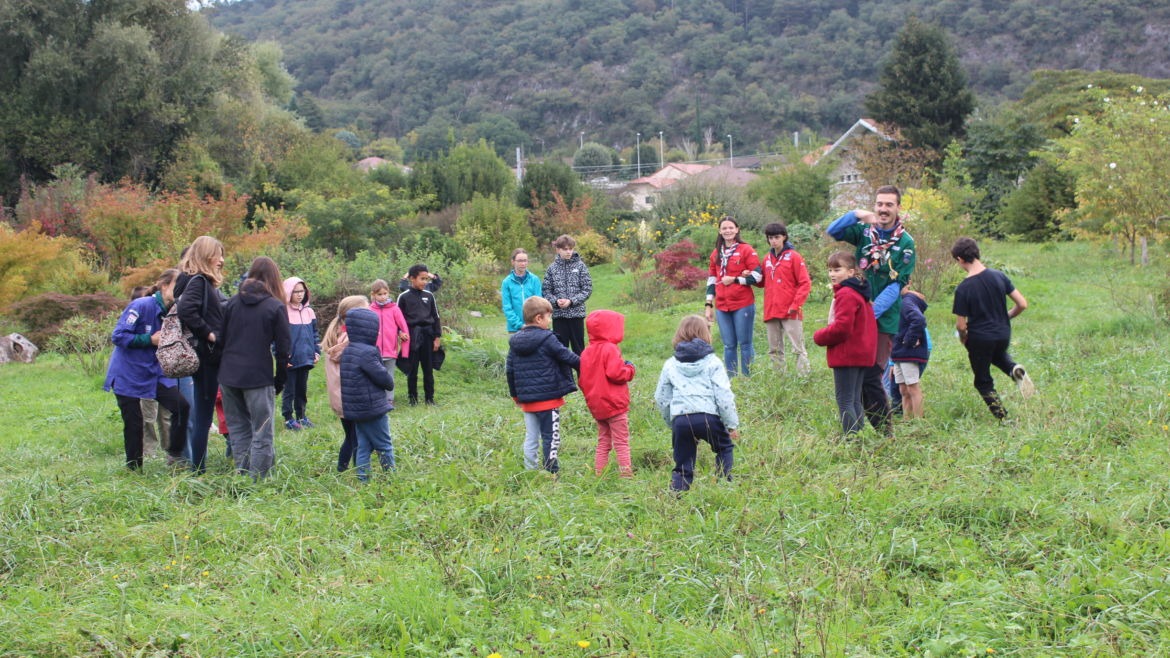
column 694, row 381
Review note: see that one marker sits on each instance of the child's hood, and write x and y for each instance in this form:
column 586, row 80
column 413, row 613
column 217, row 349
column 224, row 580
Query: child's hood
column 253, row 292
column 291, row 283
column 914, row 297
column 607, row 326
column 529, row 339
column 361, row 324
column 690, row 351
column 860, row 285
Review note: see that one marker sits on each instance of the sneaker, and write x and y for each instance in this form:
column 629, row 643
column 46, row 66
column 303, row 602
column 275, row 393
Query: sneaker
column 292, row 424
column 306, row 424
column 1027, row 388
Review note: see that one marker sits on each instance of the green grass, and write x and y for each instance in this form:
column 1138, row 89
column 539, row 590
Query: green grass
column 1049, row 537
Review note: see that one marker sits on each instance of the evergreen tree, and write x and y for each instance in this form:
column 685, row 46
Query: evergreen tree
column 922, row 88
column 543, row 178
column 310, row 111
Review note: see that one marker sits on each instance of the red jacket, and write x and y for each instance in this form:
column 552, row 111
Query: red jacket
column 605, row 377
column 741, row 264
column 786, row 285
column 852, row 332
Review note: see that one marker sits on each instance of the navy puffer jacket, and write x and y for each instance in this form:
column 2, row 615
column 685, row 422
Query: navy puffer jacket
column 911, row 342
column 364, row 380
column 539, row 367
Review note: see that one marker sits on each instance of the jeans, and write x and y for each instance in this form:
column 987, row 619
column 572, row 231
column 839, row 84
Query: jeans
column 735, row 328
column 296, row 393
column 686, row 432
column 251, row 417
column 373, row 435
column 543, row 429
column 202, row 414
column 847, row 383
column 131, row 408
column 187, row 390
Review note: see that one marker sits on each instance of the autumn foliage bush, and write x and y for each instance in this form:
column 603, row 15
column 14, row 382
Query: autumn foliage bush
column 676, row 265
column 42, row 316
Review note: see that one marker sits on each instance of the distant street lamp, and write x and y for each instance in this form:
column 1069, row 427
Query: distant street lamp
column 661, row 160
column 638, row 149
column 581, row 140
column 731, row 150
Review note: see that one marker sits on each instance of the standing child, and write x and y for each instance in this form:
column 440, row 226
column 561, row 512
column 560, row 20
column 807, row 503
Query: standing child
column 605, row 383
column 851, row 337
column 421, row 311
column 540, row 374
column 566, row 286
column 911, row 351
column 333, row 344
column 984, row 324
column 786, row 286
column 694, row 396
column 302, row 325
column 134, row 373
column 393, row 334
column 364, row 383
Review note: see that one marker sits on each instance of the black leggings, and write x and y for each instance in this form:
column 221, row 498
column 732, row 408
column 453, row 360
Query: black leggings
column 131, row 408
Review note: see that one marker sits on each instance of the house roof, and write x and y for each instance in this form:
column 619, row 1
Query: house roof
column 724, row 175
column 858, row 129
column 670, row 174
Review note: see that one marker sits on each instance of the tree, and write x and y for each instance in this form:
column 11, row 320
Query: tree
column 310, row 111
column 470, row 168
column 1118, row 159
column 922, row 88
column 594, row 159
column 541, row 179
column 798, row 193
column 1035, row 209
column 998, row 153
column 494, row 224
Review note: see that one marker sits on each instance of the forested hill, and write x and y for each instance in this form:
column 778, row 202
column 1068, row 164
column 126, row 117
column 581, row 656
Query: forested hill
column 609, row 68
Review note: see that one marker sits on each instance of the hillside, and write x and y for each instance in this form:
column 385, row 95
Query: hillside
column 610, row 68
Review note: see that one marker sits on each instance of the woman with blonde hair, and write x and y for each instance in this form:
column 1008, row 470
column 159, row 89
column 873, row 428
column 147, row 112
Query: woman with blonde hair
column 200, row 307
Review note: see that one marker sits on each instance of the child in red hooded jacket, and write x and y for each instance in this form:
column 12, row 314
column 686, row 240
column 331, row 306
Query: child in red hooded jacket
column 604, row 382
column 851, row 337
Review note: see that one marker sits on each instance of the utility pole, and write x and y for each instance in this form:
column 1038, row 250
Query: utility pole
column 661, row 160
column 638, row 149
column 731, row 150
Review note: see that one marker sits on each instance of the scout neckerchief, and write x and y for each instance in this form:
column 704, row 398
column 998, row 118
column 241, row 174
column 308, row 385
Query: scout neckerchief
column 772, row 263
column 725, row 255
column 878, row 250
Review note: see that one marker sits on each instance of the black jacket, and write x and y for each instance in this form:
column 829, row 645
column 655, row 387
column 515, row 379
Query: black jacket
column 364, row 380
column 255, row 339
column 539, row 367
column 422, row 316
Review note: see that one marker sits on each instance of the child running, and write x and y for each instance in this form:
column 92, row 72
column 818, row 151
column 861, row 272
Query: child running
column 302, row 325
column 694, row 396
column 851, row 337
column 364, row 383
column 605, row 383
column 540, row 374
column 393, row 334
column 333, row 344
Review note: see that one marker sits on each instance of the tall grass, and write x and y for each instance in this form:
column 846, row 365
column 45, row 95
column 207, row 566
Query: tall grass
column 960, row 537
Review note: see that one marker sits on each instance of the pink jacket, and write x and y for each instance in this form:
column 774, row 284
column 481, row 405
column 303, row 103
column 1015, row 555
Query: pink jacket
column 390, row 322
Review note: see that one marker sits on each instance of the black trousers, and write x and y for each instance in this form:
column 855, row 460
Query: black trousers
column 571, row 333
column 686, row 432
column 982, row 354
column 422, row 354
column 295, row 395
column 131, row 408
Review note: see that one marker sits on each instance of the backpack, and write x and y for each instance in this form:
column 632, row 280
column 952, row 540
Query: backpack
column 175, row 352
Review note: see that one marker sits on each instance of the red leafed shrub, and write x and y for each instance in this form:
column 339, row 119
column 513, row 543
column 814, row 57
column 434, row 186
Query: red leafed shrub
column 676, row 265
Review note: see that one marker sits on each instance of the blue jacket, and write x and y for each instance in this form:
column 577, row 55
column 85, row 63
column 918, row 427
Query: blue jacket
column 694, row 381
column 911, row 342
column 134, row 370
column 513, row 292
column 539, row 367
column 364, row 380
column 302, row 327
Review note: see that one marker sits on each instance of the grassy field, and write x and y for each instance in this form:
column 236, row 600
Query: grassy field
column 961, row 537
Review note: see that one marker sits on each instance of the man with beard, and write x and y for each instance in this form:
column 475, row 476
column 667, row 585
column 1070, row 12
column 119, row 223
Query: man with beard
column 885, row 253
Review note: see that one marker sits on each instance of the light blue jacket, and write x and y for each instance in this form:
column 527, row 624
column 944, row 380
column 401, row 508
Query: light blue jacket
column 513, row 291
column 694, row 381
